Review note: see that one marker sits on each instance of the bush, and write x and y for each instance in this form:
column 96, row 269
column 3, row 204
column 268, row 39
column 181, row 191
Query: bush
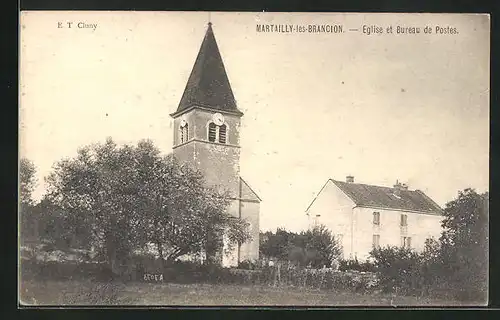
column 54, row 270
column 98, row 294
column 248, row 265
column 355, row 265
column 400, row 270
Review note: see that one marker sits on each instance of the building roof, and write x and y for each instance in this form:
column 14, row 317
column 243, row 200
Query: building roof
column 247, row 192
column 208, row 85
column 365, row 195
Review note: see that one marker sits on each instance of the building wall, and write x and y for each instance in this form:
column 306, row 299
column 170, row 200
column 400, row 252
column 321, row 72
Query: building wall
column 250, row 212
column 354, row 225
column 335, row 210
column 419, row 228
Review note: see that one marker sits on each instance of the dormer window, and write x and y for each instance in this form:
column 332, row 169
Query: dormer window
column 217, row 133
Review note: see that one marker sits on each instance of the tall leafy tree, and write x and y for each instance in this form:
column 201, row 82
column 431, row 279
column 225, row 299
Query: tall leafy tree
column 131, row 196
column 318, row 245
column 276, row 244
column 27, row 181
column 464, row 243
column 27, row 184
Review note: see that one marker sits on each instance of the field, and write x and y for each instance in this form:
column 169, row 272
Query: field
column 167, row 294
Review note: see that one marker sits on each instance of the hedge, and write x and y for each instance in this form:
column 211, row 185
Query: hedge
column 185, row 272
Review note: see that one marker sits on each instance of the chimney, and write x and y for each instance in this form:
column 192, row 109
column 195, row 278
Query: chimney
column 349, row 179
column 398, row 187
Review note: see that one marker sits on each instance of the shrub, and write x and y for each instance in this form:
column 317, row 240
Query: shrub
column 400, row 270
column 98, row 294
column 355, row 265
column 45, row 270
column 248, row 265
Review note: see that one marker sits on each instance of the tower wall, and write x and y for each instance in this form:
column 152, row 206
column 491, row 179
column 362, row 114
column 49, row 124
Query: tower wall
column 220, row 163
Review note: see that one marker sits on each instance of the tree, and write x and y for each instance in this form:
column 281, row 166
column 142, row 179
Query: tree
column 27, row 184
column 457, row 263
column 27, row 181
column 464, row 243
column 61, row 230
column 129, row 197
column 318, row 245
column 276, row 245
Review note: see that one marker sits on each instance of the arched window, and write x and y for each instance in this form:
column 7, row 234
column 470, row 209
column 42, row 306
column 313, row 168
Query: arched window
column 217, row 133
column 212, row 132
column 184, row 133
column 222, row 134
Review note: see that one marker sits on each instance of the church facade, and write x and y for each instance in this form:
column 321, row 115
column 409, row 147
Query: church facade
column 207, row 136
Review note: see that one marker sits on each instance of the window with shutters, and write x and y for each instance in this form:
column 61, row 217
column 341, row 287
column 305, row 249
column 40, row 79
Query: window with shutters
column 406, row 242
column 222, row 134
column 212, row 132
column 376, row 241
column 404, row 220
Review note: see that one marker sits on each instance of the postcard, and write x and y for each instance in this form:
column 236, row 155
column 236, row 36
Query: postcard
column 253, row 159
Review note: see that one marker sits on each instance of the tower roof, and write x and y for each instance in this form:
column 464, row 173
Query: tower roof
column 208, row 85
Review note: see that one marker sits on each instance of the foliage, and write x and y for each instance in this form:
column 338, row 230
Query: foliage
column 27, row 184
column 315, row 247
column 98, row 294
column 399, row 269
column 248, row 265
column 276, row 244
column 464, row 244
column 355, row 265
column 319, row 247
column 27, row 181
column 119, row 199
column 455, row 265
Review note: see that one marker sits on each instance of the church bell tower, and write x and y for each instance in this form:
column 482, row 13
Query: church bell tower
column 207, row 121
column 207, row 136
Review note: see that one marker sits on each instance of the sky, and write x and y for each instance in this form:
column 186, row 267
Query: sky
column 380, row 107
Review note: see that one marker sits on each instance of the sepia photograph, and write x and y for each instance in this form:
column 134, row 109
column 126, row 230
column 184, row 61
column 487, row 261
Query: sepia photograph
column 253, row 159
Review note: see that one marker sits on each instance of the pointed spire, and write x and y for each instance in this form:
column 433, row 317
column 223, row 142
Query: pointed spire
column 208, row 85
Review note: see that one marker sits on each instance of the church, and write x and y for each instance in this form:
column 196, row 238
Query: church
column 207, row 135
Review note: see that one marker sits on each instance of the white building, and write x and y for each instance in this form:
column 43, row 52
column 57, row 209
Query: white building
column 365, row 216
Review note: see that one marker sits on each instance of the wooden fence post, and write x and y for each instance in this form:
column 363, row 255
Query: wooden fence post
column 279, row 273
column 322, row 279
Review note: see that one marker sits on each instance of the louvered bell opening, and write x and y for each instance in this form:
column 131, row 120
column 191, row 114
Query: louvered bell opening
column 222, row 134
column 212, row 132
column 181, row 133
column 186, row 134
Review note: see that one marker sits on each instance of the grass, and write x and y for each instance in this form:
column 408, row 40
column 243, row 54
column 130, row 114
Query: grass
column 167, row 294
